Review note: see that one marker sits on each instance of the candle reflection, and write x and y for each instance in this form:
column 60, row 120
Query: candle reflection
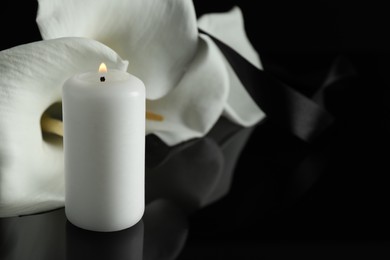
column 125, row 244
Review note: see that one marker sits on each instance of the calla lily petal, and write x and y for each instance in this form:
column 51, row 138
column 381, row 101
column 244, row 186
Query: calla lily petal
column 210, row 87
column 31, row 169
column 193, row 107
column 229, row 28
column 159, row 38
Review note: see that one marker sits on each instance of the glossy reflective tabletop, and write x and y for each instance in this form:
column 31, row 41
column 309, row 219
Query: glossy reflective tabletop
column 238, row 192
column 259, row 192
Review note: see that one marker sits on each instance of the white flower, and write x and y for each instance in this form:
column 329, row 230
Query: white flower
column 188, row 81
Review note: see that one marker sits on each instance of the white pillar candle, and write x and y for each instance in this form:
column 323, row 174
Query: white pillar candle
column 104, row 149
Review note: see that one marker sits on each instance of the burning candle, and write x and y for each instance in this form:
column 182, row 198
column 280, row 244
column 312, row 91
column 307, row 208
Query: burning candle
column 104, row 149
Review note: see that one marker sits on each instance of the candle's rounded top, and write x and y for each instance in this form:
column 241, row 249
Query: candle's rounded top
column 110, row 76
column 115, row 83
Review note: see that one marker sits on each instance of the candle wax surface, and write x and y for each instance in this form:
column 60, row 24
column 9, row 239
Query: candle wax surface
column 104, row 149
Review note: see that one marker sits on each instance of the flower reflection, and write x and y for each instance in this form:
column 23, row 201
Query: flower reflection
column 198, row 173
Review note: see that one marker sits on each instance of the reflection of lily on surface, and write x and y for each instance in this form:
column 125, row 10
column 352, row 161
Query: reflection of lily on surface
column 188, row 81
column 197, row 173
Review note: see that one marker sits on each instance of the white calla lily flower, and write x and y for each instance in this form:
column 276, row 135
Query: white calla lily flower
column 189, row 83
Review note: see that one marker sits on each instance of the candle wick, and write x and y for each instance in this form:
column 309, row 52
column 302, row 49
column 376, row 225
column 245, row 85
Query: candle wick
column 102, row 79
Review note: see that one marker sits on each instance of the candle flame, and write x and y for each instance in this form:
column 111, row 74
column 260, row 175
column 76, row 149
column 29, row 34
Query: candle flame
column 102, row 68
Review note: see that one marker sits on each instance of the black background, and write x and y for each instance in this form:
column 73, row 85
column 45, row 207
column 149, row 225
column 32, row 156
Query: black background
column 346, row 207
column 344, row 213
